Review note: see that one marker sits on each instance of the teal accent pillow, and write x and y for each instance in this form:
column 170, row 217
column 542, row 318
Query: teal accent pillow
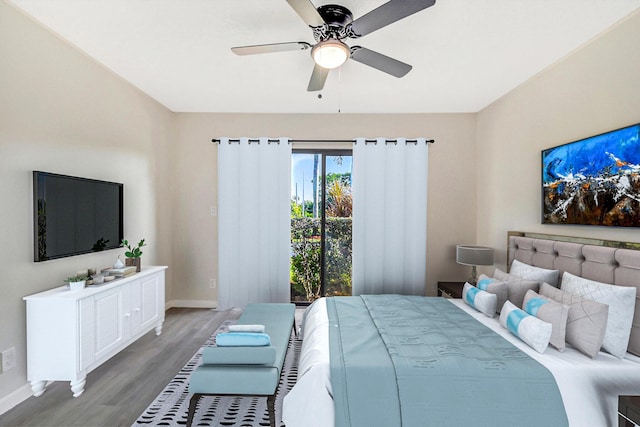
column 533, row 331
column 482, row 301
column 551, row 312
column 493, row 286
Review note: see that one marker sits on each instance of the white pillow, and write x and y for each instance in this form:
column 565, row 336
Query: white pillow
column 526, row 271
column 528, row 328
column 482, row 301
column 621, row 301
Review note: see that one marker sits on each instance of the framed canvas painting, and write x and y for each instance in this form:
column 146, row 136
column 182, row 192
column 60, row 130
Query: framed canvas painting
column 593, row 181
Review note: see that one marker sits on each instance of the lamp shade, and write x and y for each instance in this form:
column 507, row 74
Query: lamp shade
column 474, row 255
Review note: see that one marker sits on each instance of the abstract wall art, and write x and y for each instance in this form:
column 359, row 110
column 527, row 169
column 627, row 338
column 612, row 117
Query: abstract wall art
column 593, row 181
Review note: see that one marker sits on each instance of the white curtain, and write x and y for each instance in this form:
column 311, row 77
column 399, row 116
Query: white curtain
column 389, row 216
column 253, row 221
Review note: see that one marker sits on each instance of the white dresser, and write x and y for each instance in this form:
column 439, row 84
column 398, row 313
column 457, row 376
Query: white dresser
column 71, row 333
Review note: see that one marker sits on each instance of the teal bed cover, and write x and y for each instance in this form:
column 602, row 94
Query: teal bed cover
column 421, row 361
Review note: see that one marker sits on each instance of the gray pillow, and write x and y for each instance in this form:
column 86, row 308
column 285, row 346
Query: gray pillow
column 529, row 272
column 516, row 286
column 587, row 319
column 621, row 301
column 550, row 311
column 482, row 301
column 494, row 286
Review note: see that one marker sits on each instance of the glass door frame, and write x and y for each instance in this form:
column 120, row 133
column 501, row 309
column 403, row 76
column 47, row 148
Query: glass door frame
column 323, row 152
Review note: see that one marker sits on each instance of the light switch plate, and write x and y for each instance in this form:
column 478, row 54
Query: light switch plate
column 8, row 359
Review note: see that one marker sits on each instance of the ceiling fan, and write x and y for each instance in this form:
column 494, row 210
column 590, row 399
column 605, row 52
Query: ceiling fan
column 331, row 24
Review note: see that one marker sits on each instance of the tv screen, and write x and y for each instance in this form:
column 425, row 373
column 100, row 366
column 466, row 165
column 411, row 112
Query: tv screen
column 74, row 215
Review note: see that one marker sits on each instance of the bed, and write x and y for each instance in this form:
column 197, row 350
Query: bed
column 588, row 386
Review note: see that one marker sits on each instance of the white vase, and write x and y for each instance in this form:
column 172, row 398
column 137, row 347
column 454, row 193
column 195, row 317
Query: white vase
column 77, row 286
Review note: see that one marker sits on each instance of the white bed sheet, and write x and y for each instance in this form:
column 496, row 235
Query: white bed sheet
column 589, row 387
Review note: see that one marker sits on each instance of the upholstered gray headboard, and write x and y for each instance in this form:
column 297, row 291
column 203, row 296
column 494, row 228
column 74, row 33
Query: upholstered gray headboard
column 616, row 263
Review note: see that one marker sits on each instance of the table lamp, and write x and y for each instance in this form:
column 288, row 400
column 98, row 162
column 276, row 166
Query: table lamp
column 473, row 256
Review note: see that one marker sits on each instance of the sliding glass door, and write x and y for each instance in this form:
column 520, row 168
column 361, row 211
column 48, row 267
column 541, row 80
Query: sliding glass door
column 321, row 202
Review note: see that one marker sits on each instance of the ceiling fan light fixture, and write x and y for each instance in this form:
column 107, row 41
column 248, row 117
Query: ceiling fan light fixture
column 330, row 53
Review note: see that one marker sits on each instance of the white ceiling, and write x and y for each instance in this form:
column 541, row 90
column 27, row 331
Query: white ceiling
column 465, row 53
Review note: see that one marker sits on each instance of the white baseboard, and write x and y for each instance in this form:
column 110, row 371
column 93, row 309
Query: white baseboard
column 182, row 303
column 13, row 399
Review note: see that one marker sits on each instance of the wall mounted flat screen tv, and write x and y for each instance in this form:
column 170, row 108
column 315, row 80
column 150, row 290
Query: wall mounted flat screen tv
column 74, row 216
column 593, row 181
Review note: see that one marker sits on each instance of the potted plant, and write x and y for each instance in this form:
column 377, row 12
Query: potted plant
column 133, row 254
column 77, row 282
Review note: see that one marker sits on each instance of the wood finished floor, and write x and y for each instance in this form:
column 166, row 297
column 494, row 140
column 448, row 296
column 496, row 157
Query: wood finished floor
column 117, row 392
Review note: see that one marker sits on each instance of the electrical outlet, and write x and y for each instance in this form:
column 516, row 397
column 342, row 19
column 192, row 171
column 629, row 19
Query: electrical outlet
column 212, row 283
column 213, row 210
column 8, row 359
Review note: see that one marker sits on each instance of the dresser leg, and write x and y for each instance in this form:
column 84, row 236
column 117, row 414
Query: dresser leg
column 159, row 329
column 77, row 387
column 37, row 387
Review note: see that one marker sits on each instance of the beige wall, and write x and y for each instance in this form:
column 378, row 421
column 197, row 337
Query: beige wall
column 451, row 199
column 592, row 91
column 61, row 112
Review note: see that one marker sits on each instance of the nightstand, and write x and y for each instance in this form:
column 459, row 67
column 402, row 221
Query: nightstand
column 450, row 289
column 629, row 407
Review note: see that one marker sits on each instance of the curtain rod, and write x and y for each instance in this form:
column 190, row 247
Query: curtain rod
column 367, row 140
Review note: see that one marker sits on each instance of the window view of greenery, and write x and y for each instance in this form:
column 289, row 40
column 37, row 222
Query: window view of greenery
column 320, row 225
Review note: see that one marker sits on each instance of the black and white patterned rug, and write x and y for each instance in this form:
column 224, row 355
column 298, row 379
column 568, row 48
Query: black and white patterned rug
column 171, row 406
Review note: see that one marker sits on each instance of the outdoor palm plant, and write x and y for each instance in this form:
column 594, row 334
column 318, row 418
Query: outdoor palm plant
column 339, row 199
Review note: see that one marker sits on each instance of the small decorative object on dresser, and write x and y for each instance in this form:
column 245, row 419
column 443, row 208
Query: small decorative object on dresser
column 450, row 289
column 76, row 283
column 118, row 263
column 133, row 254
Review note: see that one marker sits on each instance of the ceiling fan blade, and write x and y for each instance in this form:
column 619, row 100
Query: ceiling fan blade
column 307, row 11
column 269, row 48
column 388, row 13
column 379, row 61
column 318, row 77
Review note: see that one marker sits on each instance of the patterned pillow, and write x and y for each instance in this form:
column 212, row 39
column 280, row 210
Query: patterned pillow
column 621, row 301
column 482, row 301
column 551, row 312
column 516, row 286
column 587, row 319
column 529, row 272
column 493, row 286
column 533, row 331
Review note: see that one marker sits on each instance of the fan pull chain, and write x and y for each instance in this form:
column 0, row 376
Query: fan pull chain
column 339, row 88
